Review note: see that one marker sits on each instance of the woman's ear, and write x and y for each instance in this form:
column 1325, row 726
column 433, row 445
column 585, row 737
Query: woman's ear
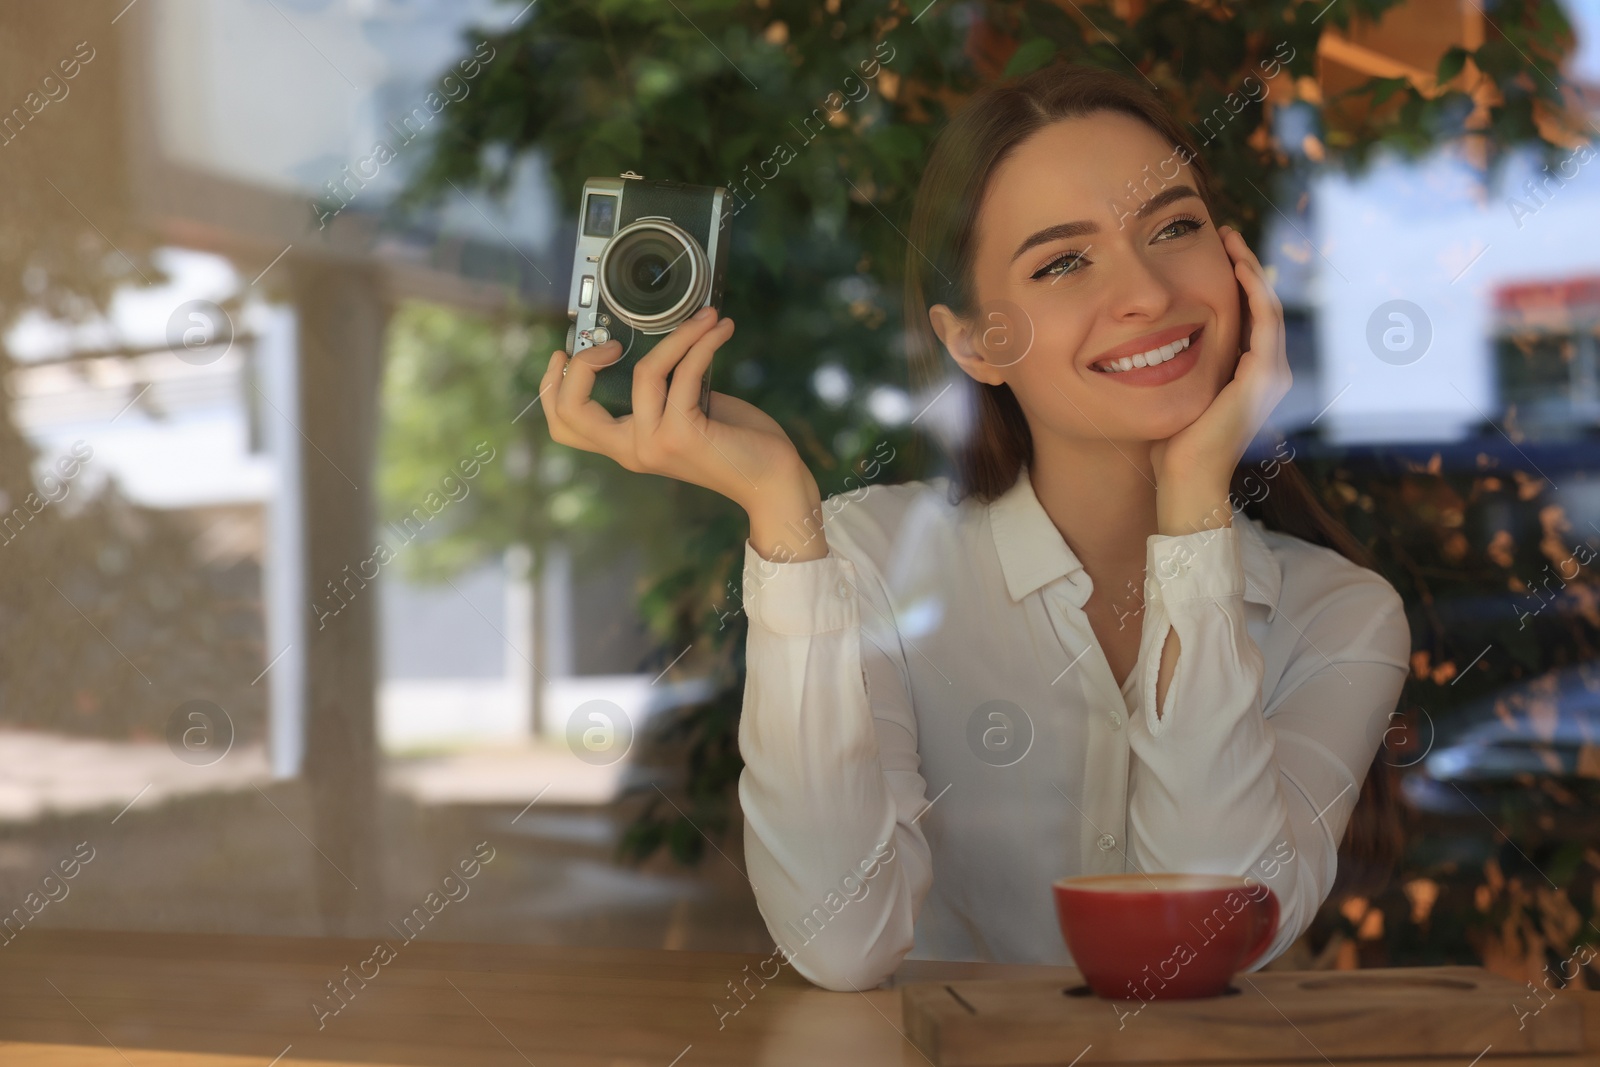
column 956, row 335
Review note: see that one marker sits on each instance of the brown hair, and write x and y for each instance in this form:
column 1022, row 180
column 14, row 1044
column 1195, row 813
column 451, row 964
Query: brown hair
column 988, row 461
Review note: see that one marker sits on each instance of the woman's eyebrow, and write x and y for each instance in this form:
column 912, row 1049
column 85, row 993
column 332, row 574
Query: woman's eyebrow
column 1063, row 230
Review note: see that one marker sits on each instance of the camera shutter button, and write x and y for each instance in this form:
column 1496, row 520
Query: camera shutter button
column 600, row 336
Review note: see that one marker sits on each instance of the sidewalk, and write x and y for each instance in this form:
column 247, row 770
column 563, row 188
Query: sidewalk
column 45, row 774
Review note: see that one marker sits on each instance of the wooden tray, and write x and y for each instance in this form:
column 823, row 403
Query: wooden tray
column 1453, row 1013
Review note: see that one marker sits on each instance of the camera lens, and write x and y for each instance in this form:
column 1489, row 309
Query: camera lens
column 653, row 275
column 648, row 274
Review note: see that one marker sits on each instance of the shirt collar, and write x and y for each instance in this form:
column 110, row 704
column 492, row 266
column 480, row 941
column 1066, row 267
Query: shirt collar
column 1033, row 553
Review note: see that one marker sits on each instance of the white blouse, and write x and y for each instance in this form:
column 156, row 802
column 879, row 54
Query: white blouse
column 932, row 734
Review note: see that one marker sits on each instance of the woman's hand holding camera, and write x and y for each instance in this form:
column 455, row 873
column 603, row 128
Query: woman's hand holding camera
column 741, row 453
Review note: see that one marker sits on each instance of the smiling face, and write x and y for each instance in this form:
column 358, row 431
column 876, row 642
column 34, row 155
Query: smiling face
column 1072, row 269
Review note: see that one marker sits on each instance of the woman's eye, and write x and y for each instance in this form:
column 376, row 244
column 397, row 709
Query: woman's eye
column 1072, row 262
column 1185, row 226
column 1061, row 265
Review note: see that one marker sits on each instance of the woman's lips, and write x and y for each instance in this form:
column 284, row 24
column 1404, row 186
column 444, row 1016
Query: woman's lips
column 1161, row 373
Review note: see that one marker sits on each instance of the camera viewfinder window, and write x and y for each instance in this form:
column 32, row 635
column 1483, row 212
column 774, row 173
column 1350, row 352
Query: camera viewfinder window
column 600, row 216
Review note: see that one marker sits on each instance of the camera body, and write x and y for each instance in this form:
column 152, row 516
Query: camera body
column 650, row 254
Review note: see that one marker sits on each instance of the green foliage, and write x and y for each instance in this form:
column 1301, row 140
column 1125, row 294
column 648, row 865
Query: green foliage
column 1466, row 549
column 447, row 379
column 636, row 86
column 704, row 90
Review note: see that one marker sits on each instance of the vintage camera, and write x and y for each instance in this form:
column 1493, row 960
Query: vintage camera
column 650, row 254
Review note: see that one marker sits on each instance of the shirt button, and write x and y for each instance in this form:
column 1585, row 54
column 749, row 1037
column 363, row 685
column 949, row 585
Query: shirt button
column 843, row 589
column 1116, row 720
column 1107, row 842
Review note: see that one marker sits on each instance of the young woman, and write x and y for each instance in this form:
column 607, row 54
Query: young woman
column 1073, row 657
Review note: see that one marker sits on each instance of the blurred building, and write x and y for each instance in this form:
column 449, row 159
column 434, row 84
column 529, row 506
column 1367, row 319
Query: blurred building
column 254, row 125
column 1405, row 287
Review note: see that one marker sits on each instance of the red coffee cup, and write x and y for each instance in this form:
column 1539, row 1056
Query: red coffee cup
column 1165, row 936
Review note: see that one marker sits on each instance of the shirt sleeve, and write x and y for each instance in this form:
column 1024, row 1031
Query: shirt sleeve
column 1227, row 782
column 830, row 789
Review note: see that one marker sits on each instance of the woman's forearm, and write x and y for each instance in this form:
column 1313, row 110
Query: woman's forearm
column 786, row 524
column 830, row 788
column 1189, row 508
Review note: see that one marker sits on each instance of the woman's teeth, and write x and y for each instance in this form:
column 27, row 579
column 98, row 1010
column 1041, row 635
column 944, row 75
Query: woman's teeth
column 1145, row 359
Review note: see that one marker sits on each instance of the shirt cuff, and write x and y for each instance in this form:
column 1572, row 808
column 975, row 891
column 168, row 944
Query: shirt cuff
column 800, row 599
column 1205, row 563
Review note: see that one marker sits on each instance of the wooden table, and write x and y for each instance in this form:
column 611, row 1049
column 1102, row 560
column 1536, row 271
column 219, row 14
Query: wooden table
column 79, row 998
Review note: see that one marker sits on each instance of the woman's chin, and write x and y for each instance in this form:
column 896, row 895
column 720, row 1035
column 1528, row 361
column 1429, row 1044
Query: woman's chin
column 1174, row 418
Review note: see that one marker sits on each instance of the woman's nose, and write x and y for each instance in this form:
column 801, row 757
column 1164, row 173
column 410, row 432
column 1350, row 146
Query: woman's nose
column 1139, row 287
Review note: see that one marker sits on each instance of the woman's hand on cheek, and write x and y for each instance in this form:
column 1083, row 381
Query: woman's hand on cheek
column 1195, row 466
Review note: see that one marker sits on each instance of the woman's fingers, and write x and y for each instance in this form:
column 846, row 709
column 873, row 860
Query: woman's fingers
column 683, row 394
column 650, row 373
column 1268, row 364
column 577, row 414
column 1245, row 256
column 666, row 433
column 549, row 385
